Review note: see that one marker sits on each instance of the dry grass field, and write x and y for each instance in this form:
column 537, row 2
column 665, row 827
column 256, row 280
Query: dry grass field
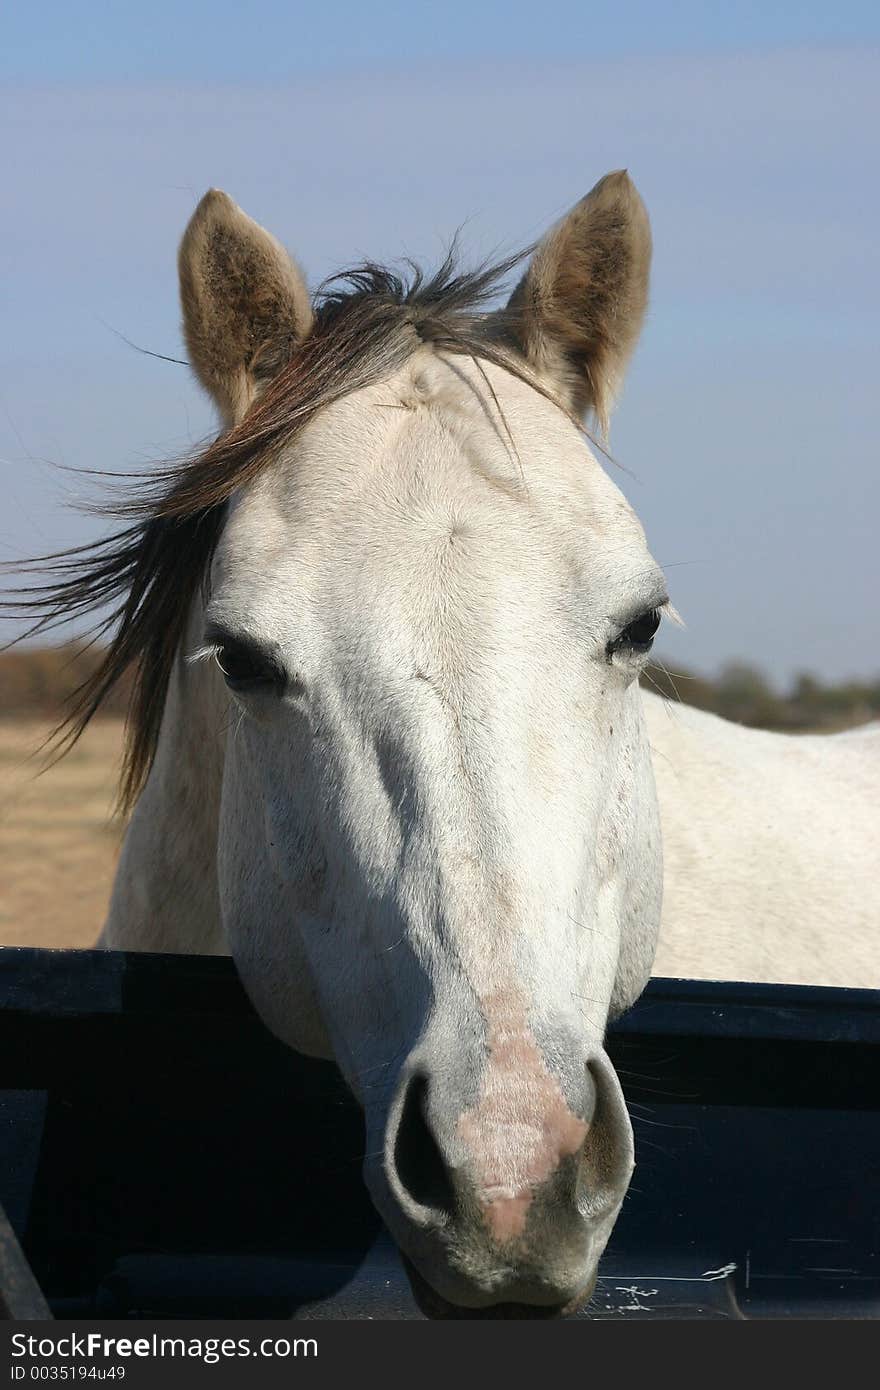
column 58, row 844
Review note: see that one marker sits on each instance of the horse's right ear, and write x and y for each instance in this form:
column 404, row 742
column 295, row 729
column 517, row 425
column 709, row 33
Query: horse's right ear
column 245, row 303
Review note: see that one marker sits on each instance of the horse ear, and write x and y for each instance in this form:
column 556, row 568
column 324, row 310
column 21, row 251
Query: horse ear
column 577, row 312
column 245, row 303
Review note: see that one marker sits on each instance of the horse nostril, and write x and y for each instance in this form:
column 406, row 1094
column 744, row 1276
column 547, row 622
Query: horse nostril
column 418, row 1162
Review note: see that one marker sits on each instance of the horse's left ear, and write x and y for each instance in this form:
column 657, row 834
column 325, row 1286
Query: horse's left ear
column 577, row 312
column 245, row 303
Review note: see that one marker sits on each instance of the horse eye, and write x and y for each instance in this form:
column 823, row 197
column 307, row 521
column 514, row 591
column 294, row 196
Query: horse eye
column 245, row 669
column 637, row 636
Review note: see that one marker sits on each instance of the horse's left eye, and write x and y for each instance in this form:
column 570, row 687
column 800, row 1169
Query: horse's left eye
column 637, row 636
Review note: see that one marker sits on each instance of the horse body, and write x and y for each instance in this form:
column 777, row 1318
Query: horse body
column 388, row 737
column 771, row 845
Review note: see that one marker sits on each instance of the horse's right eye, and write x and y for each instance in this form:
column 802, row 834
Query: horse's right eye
column 246, row 668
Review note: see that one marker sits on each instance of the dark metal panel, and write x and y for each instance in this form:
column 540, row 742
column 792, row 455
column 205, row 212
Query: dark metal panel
column 72, row 984
column 163, row 1154
column 20, row 1294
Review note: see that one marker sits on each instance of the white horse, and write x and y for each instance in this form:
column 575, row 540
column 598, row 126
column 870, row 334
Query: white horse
column 771, row 848
column 388, row 746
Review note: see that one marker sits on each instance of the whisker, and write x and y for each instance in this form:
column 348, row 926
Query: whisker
column 597, row 931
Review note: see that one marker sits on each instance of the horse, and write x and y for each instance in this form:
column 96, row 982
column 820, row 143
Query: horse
column 771, row 848
column 387, row 745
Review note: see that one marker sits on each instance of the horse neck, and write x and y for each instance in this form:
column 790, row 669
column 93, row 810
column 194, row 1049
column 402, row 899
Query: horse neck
column 770, row 856
column 165, row 892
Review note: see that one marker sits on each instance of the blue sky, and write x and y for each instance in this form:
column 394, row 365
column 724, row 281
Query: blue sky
column 750, row 414
column 219, row 41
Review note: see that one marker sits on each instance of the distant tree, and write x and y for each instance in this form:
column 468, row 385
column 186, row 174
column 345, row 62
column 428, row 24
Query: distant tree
column 743, row 694
column 39, row 681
